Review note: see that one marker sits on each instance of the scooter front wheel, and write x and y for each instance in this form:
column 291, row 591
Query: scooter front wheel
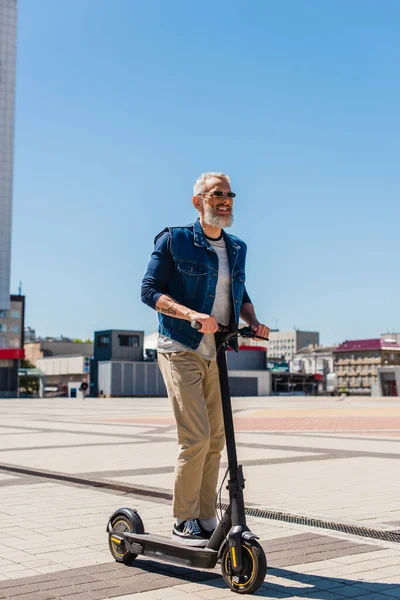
column 253, row 572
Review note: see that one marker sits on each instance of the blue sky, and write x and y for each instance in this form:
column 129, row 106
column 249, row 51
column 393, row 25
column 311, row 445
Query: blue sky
column 122, row 104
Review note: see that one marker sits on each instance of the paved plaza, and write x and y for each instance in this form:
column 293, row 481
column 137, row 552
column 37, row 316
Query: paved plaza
column 322, row 484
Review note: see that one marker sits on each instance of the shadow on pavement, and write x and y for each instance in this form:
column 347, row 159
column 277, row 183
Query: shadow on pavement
column 299, row 585
column 321, row 587
column 186, row 574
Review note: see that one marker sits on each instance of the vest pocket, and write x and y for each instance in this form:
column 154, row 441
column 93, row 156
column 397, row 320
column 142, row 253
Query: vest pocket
column 193, row 278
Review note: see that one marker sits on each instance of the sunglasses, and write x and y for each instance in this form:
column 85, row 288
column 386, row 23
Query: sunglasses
column 218, row 194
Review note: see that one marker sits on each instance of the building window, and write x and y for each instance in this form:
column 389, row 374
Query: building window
column 130, row 341
column 15, row 328
column 3, row 314
column 14, row 343
column 3, row 327
column 3, row 341
column 15, row 314
column 103, row 341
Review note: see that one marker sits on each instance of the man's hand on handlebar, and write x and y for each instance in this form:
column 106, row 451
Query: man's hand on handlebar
column 208, row 322
column 260, row 331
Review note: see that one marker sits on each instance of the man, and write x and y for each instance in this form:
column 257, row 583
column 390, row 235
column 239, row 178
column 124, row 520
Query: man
column 197, row 273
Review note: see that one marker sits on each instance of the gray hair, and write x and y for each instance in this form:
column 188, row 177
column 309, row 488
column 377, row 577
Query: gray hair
column 202, row 181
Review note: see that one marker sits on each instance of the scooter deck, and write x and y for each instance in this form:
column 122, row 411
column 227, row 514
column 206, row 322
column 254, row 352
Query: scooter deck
column 163, row 548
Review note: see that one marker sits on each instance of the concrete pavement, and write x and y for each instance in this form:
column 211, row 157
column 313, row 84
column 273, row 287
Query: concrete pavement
column 329, row 460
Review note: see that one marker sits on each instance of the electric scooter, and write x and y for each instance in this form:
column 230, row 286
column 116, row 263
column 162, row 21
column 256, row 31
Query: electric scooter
column 232, row 544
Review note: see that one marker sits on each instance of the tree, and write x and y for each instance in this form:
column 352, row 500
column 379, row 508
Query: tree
column 28, row 385
column 26, row 364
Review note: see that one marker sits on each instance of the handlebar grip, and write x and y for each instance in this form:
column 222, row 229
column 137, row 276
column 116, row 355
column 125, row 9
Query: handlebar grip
column 245, row 331
column 197, row 325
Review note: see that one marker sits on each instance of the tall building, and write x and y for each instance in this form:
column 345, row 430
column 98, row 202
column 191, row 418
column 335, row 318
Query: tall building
column 8, row 43
column 11, row 307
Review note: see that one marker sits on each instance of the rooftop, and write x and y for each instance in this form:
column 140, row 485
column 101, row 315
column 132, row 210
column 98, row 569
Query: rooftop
column 315, row 348
column 373, row 344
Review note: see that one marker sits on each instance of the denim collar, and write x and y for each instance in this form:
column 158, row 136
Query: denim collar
column 200, row 238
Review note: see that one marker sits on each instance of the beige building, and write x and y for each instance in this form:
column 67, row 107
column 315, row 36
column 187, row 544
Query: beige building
column 356, row 363
column 61, row 370
column 46, row 348
column 283, row 345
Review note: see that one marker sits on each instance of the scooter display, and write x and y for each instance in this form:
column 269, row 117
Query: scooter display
column 232, row 544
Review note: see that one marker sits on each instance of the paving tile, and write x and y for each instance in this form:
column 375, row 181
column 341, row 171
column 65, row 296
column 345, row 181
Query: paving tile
column 392, row 592
column 47, row 595
column 375, row 596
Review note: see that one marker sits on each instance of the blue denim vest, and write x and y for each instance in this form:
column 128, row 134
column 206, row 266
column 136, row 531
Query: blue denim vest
column 194, row 280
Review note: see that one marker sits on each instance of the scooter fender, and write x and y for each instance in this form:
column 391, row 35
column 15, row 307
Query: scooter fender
column 131, row 514
column 249, row 535
column 246, row 535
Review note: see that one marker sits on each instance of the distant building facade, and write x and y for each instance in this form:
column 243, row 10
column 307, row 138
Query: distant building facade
column 54, row 347
column 285, row 344
column 8, row 49
column 391, row 337
column 62, row 371
column 388, row 381
column 11, row 345
column 119, row 369
column 313, row 360
column 356, row 363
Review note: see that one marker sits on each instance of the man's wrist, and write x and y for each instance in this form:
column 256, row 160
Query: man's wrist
column 188, row 313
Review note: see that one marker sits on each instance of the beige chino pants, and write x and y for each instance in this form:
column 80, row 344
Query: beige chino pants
column 193, row 388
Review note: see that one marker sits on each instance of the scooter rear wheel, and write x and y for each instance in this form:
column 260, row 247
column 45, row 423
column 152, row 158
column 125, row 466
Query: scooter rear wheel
column 253, row 571
column 120, row 524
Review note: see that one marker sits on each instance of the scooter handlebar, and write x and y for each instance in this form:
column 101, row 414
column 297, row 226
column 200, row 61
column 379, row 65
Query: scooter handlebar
column 245, row 332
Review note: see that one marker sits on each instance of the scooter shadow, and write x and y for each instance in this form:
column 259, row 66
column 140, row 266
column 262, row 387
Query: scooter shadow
column 298, row 585
column 324, row 587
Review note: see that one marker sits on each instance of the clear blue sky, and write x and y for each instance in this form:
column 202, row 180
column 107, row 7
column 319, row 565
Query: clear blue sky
column 122, row 104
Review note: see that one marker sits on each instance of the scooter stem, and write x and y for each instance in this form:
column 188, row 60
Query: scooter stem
column 236, row 480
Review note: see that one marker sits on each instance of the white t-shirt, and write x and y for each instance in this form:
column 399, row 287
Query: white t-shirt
column 221, row 309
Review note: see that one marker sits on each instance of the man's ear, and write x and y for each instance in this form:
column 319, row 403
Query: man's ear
column 196, row 202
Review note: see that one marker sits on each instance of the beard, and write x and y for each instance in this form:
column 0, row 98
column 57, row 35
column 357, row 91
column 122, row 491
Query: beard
column 214, row 220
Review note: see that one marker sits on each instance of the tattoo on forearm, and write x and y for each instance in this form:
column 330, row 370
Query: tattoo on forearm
column 166, row 311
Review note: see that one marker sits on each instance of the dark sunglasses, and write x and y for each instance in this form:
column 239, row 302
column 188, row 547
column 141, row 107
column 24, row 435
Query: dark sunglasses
column 218, row 194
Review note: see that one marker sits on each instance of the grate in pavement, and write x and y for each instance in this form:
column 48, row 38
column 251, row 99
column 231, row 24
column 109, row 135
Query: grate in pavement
column 377, row 534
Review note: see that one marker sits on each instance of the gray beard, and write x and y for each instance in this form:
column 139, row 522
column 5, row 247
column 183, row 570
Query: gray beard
column 210, row 218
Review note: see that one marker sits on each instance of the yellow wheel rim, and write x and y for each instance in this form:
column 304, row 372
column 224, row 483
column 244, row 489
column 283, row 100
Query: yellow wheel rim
column 115, row 546
column 253, row 569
